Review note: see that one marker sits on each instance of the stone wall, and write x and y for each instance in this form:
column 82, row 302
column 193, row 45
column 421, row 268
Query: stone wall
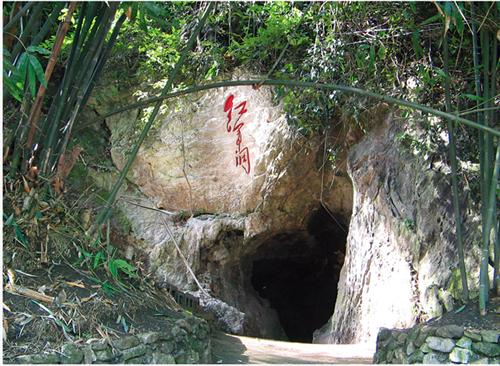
column 186, row 342
column 438, row 344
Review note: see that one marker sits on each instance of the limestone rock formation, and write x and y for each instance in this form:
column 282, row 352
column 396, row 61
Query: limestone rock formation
column 232, row 199
column 401, row 261
column 219, row 204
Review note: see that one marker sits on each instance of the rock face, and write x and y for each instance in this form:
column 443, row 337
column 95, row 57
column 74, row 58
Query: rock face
column 226, row 150
column 230, row 176
column 401, row 261
column 239, row 190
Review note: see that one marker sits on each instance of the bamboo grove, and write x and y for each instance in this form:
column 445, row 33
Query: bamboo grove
column 48, row 108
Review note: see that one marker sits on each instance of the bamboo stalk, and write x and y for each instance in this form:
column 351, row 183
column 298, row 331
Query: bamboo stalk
column 493, row 119
column 104, row 214
column 454, row 175
column 23, row 291
column 485, row 167
column 490, row 217
column 96, row 50
column 57, row 107
column 477, row 83
column 104, row 57
column 36, row 109
column 62, row 104
column 496, row 258
column 86, row 55
column 51, row 20
column 28, row 30
column 18, row 15
column 307, row 84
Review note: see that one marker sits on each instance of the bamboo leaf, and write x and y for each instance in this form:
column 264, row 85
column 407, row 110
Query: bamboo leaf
column 430, row 20
column 22, row 66
column 125, row 267
column 415, row 40
column 473, row 97
column 40, row 50
column 13, row 88
column 9, row 220
column 99, row 257
column 31, row 80
column 113, row 269
column 372, row 58
column 37, row 67
column 20, row 237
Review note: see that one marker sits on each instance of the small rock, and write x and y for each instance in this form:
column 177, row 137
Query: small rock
column 425, row 331
column 473, row 335
column 464, row 342
column 481, row 361
column 71, row 354
column 440, row 344
column 161, row 358
column 184, row 324
column 149, row 337
column 193, row 357
column 380, row 356
column 410, row 348
column 425, row 348
column 450, row 331
column 490, row 336
column 167, row 347
column 134, row 352
column 126, row 342
column 104, row 355
column 99, row 345
column 416, row 357
column 429, row 330
column 177, row 332
column 461, row 355
column 435, row 357
column 399, row 356
column 390, row 356
column 402, row 338
column 383, row 334
column 38, row 358
column 182, row 358
column 487, row 349
column 412, row 336
column 145, row 359
column 89, row 355
column 392, row 345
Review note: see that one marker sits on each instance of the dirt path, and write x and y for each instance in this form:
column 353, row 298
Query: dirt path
column 235, row 349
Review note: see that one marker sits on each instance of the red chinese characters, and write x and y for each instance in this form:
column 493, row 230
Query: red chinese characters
column 242, row 154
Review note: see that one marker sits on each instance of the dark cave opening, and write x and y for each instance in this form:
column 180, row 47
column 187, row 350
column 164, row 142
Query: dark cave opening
column 298, row 272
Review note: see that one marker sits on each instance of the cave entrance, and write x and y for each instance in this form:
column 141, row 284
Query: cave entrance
column 297, row 273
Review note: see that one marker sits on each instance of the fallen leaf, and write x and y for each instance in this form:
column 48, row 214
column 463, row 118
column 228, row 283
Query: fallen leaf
column 27, row 188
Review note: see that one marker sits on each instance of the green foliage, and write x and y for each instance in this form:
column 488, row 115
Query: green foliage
column 12, row 81
column 102, row 256
column 28, row 72
column 409, row 224
column 18, row 234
